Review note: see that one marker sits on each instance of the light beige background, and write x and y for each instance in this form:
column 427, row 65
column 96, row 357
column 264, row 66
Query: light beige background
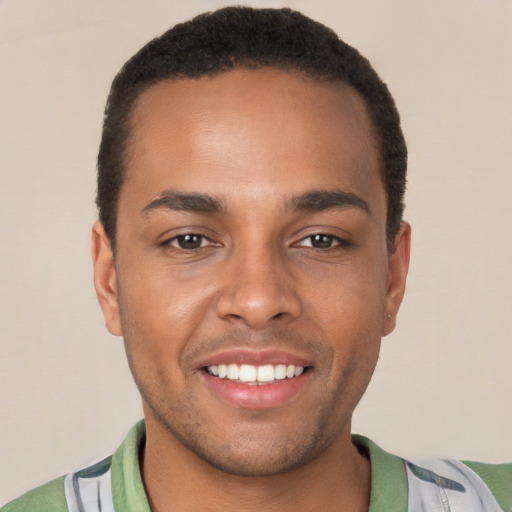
column 443, row 385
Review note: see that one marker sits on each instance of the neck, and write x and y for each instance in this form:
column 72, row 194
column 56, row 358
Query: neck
column 176, row 479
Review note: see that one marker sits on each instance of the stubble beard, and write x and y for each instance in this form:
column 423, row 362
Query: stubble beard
column 236, row 455
column 252, row 454
column 238, row 458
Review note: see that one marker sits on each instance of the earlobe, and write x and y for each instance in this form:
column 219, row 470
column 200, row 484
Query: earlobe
column 398, row 267
column 105, row 278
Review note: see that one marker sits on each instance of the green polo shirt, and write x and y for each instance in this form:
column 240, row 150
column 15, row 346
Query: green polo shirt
column 389, row 482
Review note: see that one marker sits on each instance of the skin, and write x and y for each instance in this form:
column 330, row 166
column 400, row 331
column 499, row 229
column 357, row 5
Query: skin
column 253, row 140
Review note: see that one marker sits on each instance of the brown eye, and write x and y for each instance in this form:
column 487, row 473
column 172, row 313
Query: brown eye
column 188, row 242
column 321, row 241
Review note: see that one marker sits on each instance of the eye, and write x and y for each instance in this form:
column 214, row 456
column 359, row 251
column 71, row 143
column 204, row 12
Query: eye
column 189, row 241
column 322, row 241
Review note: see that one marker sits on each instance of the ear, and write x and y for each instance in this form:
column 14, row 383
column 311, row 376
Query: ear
column 398, row 267
column 105, row 278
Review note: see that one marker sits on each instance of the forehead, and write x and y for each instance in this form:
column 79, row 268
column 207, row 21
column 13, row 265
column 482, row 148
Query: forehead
column 265, row 130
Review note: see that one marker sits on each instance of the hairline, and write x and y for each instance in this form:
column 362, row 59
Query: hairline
column 291, row 70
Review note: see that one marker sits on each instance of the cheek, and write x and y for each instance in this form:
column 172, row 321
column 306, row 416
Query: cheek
column 351, row 295
column 348, row 309
column 160, row 310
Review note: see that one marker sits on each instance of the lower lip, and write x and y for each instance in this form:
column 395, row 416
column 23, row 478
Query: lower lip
column 256, row 396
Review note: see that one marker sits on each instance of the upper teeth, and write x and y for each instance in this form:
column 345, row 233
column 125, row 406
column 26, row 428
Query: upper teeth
column 250, row 373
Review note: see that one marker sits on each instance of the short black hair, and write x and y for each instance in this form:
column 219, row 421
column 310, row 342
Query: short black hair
column 245, row 37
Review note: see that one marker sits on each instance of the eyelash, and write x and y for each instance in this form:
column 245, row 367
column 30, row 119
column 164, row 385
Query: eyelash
column 334, row 241
column 178, row 241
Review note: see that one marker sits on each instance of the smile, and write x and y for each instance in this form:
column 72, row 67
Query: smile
column 248, row 378
column 255, row 375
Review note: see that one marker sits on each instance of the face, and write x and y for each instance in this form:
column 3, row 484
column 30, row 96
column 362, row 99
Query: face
column 252, row 283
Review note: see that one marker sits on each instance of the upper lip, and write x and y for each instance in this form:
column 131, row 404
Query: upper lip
column 254, row 357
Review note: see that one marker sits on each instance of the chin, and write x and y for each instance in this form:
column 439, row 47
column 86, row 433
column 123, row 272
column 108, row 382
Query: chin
column 268, row 460
column 254, row 450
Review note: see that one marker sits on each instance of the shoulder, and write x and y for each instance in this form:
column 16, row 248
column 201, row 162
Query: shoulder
column 92, row 486
column 468, row 486
column 498, row 478
column 465, row 486
column 50, row 497
column 72, row 491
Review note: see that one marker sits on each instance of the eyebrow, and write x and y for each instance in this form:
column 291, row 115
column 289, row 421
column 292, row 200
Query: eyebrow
column 173, row 200
column 320, row 200
column 313, row 201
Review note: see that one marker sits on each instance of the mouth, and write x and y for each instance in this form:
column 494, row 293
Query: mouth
column 250, row 379
column 255, row 375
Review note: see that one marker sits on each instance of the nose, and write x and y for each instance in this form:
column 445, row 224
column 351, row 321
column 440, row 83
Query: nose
column 258, row 289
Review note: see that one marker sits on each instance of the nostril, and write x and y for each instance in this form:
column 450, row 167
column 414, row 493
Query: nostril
column 256, row 303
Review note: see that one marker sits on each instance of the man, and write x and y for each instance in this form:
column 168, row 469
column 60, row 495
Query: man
column 250, row 249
